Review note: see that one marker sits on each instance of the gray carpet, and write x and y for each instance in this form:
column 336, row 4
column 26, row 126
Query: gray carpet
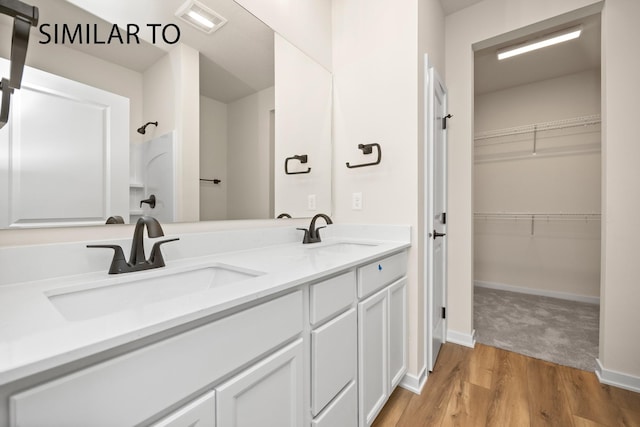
column 556, row 330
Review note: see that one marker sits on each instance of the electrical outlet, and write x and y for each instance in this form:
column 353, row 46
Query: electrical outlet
column 311, row 202
column 356, row 201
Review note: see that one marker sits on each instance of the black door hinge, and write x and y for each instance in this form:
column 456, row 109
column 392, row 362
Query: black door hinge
column 443, row 218
column 444, row 312
column 444, row 120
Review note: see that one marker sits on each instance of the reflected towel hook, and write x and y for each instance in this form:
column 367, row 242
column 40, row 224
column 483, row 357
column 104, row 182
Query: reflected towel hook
column 215, row 181
column 303, row 158
column 24, row 17
column 368, row 149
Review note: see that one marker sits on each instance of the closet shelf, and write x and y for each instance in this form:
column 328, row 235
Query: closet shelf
column 590, row 120
column 535, row 217
column 555, row 216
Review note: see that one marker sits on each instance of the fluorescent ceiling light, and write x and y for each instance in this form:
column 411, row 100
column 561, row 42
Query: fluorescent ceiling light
column 201, row 19
column 200, row 16
column 570, row 34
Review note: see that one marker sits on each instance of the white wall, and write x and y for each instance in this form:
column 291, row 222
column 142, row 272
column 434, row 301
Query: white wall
column 560, row 256
column 620, row 270
column 303, row 92
column 376, row 60
column 172, row 95
column 213, row 159
column 619, row 315
column 306, row 24
column 248, row 170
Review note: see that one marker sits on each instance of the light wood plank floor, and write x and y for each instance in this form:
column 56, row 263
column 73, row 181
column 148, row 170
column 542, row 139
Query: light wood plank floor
column 487, row 386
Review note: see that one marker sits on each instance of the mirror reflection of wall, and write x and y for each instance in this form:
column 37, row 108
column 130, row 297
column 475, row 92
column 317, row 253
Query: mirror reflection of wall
column 179, row 86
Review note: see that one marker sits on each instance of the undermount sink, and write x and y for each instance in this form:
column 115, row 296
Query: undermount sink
column 121, row 293
column 340, row 247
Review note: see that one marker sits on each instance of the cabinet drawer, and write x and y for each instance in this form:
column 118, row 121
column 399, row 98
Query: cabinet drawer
column 199, row 413
column 331, row 296
column 333, row 358
column 131, row 388
column 343, row 411
column 380, row 273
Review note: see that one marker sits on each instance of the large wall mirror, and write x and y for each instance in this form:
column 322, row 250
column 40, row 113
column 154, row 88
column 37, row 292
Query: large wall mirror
column 238, row 121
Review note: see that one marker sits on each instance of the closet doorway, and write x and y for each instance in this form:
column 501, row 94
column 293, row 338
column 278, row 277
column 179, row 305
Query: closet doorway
column 537, row 180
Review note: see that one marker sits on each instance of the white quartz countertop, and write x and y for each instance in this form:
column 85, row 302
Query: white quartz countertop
column 35, row 336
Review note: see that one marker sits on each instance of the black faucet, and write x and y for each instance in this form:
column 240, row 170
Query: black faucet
column 137, row 259
column 312, row 235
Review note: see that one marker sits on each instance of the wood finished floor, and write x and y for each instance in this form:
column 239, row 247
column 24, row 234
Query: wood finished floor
column 487, row 386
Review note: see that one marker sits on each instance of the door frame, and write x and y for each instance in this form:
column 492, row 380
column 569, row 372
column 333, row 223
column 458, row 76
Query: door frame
column 429, row 140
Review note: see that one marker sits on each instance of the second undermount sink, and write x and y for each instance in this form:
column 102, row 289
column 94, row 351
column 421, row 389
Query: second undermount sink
column 120, row 293
column 340, row 247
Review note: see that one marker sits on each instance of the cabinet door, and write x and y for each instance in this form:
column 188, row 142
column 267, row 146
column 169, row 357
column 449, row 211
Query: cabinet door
column 333, row 359
column 199, row 413
column 397, row 332
column 373, row 374
column 269, row 394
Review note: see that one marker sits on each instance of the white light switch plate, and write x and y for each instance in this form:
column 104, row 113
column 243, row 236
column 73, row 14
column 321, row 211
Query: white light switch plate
column 356, row 201
column 311, row 202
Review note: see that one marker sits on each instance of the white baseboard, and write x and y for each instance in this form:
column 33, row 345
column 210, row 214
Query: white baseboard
column 617, row 379
column 467, row 340
column 414, row 383
column 540, row 292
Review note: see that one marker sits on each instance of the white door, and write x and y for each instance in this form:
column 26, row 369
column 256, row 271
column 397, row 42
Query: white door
column 436, row 220
column 64, row 154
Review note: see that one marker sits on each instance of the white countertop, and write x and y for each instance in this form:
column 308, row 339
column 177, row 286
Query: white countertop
column 35, row 337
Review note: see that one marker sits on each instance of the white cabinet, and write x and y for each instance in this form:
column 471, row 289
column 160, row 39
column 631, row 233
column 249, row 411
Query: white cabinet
column 269, row 394
column 382, row 335
column 327, row 354
column 199, row 413
column 129, row 389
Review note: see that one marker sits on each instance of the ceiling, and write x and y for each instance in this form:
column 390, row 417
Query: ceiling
column 235, row 61
column 554, row 61
column 226, row 75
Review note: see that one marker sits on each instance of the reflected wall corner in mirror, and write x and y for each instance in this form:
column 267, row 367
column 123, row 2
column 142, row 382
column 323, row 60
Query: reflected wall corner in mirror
column 82, row 165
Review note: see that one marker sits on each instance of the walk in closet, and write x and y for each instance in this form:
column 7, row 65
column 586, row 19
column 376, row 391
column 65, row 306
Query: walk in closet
column 537, row 196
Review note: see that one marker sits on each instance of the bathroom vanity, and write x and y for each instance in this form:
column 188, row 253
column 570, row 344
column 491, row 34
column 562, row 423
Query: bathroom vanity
column 241, row 334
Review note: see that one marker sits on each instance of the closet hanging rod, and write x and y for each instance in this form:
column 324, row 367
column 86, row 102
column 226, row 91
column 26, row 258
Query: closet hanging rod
column 543, row 126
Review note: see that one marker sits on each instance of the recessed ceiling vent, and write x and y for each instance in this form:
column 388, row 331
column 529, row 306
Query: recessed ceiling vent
column 200, row 16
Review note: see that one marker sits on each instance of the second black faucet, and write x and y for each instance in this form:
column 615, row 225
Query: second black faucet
column 312, row 235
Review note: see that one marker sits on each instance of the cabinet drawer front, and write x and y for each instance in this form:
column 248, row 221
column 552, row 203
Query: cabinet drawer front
column 331, row 296
column 130, row 388
column 334, row 354
column 342, row 412
column 380, row 273
column 268, row 394
column 199, row 413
